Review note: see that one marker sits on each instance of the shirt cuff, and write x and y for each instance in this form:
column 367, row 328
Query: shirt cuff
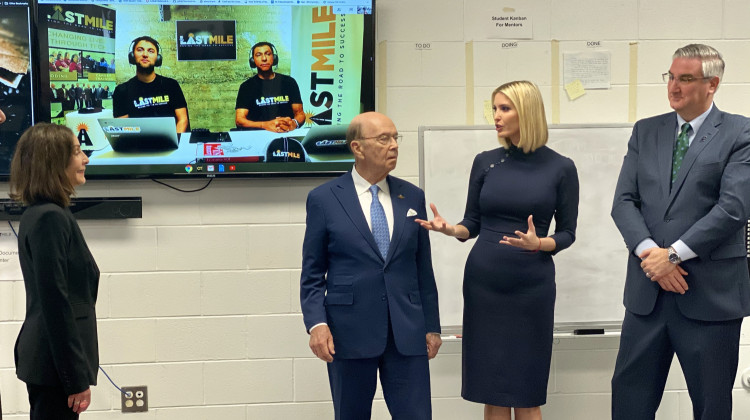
column 644, row 245
column 684, row 251
column 316, row 325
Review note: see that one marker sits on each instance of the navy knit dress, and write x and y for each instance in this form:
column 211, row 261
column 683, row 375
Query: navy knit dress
column 509, row 293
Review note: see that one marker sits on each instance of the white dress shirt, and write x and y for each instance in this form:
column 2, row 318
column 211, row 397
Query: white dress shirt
column 362, row 187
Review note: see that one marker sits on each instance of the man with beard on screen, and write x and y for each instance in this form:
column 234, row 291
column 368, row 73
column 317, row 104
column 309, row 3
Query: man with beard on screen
column 269, row 100
column 148, row 94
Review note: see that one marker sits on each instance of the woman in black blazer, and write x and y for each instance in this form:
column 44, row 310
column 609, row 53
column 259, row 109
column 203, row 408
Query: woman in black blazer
column 56, row 351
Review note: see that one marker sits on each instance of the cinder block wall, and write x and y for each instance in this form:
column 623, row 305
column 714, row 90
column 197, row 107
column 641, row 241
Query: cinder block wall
column 199, row 299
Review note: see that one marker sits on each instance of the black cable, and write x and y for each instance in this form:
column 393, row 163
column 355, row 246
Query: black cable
column 181, row 190
column 110, row 380
column 11, row 228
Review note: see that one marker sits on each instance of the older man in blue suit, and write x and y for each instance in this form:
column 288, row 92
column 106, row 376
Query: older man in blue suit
column 368, row 291
column 681, row 204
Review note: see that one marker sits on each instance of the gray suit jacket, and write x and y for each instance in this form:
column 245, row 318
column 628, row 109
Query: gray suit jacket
column 707, row 208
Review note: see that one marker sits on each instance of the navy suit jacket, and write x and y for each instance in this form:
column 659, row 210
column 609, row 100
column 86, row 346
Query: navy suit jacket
column 707, row 208
column 346, row 283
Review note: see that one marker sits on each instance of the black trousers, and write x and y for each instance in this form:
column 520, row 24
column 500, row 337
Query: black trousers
column 49, row 403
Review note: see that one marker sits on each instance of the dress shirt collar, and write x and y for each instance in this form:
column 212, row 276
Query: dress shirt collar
column 361, row 185
column 696, row 123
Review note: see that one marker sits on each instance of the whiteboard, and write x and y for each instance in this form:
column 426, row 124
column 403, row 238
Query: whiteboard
column 590, row 275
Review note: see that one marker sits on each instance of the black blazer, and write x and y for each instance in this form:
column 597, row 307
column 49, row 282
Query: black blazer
column 57, row 345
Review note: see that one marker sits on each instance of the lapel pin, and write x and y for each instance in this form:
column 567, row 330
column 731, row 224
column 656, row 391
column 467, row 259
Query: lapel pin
column 400, row 196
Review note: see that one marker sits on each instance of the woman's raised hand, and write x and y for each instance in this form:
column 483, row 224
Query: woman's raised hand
column 528, row 240
column 438, row 224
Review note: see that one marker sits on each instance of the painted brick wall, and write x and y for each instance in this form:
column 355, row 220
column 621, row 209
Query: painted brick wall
column 199, row 299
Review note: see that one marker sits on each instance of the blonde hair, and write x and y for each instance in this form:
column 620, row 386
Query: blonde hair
column 532, row 121
column 37, row 171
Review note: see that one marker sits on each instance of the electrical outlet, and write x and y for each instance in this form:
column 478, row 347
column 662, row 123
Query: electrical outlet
column 134, row 399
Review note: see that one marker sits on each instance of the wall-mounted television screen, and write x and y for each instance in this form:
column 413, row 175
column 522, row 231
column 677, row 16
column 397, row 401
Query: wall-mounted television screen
column 16, row 78
column 168, row 88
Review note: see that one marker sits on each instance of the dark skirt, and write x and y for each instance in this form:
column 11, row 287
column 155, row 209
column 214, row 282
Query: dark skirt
column 509, row 303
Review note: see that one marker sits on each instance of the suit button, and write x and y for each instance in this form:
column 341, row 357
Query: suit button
column 382, row 297
column 667, row 220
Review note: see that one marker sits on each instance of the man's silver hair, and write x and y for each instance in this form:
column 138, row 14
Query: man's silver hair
column 713, row 63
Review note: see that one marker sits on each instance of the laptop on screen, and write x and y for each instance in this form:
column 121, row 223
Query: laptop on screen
column 137, row 135
column 327, row 143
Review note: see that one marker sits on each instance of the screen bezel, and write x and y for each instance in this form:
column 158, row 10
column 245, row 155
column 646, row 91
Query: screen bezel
column 41, row 83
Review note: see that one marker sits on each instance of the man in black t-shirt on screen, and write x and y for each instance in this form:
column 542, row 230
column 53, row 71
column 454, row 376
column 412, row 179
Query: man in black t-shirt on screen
column 268, row 100
column 149, row 94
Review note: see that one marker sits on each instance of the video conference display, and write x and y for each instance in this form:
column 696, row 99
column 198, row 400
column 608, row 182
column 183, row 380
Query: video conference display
column 156, row 88
column 16, row 105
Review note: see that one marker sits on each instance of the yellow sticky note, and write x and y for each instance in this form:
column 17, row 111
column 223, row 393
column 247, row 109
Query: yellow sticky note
column 488, row 114
column 575, row 89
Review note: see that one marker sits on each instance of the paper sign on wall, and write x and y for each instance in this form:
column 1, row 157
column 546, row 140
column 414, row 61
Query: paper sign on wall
column 499, row 23
column 591, row 68
column 10, row 268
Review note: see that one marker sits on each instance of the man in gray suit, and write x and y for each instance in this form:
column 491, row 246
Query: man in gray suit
column 681, row 204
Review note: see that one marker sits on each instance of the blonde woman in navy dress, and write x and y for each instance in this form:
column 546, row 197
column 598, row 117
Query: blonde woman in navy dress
column 509, row 281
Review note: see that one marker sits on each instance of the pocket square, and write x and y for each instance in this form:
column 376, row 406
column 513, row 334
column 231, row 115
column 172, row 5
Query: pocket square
column 411, row 213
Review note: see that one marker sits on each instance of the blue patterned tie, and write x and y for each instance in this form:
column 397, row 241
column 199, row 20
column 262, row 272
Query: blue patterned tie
column 680, row 148
column 379, row 223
